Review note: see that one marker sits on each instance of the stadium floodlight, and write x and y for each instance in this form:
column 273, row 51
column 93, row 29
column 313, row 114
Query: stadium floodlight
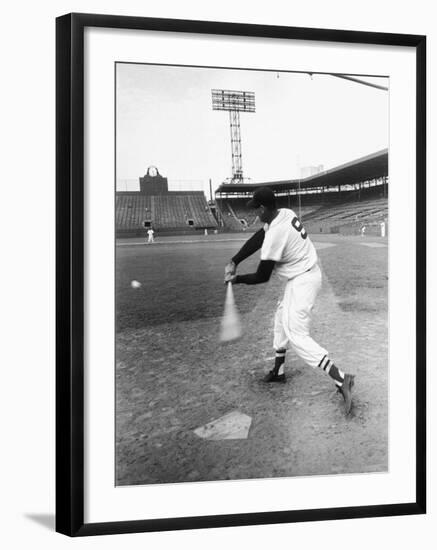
column 234, row 101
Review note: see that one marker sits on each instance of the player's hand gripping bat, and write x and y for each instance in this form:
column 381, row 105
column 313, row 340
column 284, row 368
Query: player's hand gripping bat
column 230, row 270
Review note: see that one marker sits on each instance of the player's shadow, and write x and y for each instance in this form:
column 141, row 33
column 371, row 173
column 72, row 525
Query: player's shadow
column 46, row 520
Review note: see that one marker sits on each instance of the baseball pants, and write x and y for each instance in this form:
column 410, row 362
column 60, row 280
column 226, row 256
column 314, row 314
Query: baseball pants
column 293, row 317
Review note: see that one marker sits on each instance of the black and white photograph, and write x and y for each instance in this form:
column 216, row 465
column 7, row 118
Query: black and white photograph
column 218, row 285
column 252, row 232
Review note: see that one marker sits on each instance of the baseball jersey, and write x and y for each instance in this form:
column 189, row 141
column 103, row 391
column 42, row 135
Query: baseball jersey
column 287, row 243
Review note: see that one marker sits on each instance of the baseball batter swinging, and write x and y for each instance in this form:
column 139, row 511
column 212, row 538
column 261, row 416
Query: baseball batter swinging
column 287, row 251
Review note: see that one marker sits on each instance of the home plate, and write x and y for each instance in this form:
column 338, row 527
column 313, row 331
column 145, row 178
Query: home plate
column 234, row 425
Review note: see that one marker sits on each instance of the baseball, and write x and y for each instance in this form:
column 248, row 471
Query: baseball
column 135, row 284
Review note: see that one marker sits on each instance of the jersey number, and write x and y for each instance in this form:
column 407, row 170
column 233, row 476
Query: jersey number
column 299, row 227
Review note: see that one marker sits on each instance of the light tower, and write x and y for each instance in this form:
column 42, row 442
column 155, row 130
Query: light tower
column 234, row 101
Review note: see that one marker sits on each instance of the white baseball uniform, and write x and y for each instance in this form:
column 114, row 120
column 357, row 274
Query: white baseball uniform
column 288, row 245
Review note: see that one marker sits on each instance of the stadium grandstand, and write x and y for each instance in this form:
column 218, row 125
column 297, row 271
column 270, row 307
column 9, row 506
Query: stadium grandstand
column 167, row 212
column 343, row 199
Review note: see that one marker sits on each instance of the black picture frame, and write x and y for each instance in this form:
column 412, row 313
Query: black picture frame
column 70, row 273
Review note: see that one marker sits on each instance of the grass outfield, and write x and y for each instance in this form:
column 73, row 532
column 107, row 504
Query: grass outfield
column 172, row 374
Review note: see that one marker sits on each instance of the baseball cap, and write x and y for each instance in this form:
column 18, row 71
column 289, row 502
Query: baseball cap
column 263, row 196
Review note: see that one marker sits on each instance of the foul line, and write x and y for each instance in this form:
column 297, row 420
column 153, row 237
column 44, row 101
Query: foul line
column 184, row 242
column 319, row 245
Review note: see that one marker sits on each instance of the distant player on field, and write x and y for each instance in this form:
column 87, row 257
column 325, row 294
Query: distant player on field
column 150, row 236
column 287, row 251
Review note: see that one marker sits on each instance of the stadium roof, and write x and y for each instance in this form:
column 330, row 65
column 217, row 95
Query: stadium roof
column 362, row 169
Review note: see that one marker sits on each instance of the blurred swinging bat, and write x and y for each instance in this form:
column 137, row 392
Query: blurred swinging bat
column 230, row 328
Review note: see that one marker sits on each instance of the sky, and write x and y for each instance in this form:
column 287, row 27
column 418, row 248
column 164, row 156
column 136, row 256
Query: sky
column 164, row 118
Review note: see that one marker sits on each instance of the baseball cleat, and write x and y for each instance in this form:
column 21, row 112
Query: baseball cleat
column 272, row 376
column 346, row 391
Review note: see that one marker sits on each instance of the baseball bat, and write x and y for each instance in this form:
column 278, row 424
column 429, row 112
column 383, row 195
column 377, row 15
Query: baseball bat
column 230, row 328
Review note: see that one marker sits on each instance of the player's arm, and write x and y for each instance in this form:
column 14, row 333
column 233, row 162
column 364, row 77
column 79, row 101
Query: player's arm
column 262, row 274
column 249, row 247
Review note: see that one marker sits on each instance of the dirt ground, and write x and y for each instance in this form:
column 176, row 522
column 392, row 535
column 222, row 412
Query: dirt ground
column 173, row 376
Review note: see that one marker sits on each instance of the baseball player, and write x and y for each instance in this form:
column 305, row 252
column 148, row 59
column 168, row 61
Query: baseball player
column 150, row 236
column 287, row 251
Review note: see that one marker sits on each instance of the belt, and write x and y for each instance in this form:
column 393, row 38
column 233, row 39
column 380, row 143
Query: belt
column 303, row 272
